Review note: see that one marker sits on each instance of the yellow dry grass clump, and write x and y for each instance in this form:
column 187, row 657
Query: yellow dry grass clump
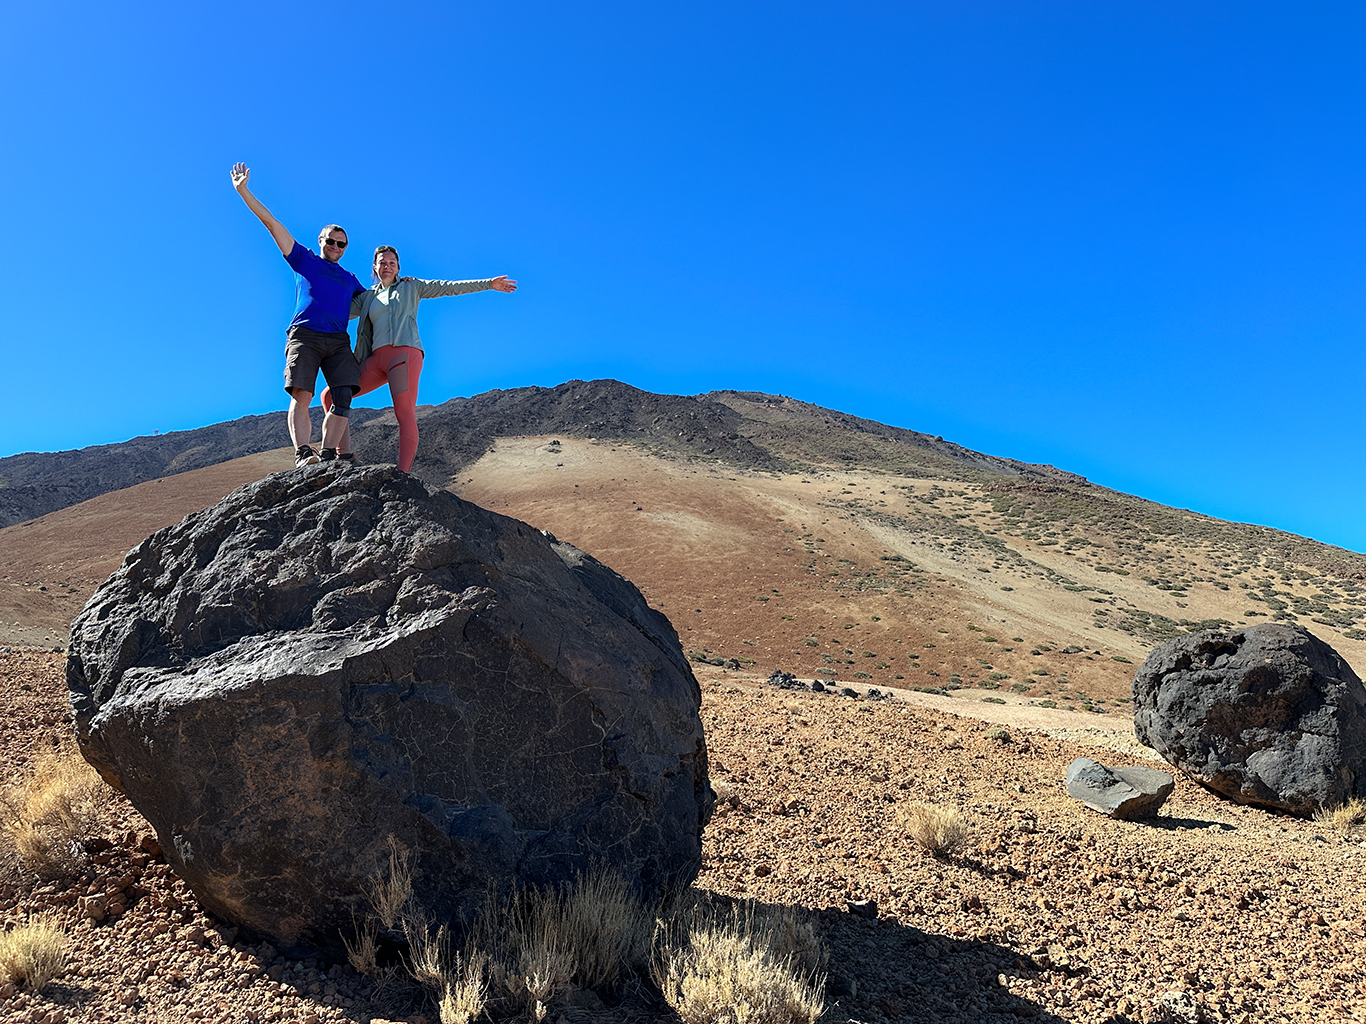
column 33, row 954
column 548, row 944
column 46, row 819
column 741, row 967
column 551, row 942
column 1348, row 816
column 937, row 829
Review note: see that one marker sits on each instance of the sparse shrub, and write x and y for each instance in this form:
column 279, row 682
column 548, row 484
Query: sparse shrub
column 33, row 954
column 937, row 829
column 584, row 935
column 362, row 951
column 466, row 992
column 390, row 892
column 47, row 818
column 999, row 733
column 740, row 967
column 546, row 943
column 1344, row 817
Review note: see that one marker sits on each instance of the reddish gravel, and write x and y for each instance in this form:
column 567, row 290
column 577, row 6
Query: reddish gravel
column 1050, row 911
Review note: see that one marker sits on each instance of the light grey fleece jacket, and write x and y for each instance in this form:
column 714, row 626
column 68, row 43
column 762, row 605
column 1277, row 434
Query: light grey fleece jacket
column 408, row 292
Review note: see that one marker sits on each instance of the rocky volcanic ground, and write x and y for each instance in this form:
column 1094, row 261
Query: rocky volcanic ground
column 1210, row 912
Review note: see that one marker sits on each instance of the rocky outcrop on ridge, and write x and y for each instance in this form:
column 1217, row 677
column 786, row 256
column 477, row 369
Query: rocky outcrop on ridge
column 1268, row 715
column 328, row 659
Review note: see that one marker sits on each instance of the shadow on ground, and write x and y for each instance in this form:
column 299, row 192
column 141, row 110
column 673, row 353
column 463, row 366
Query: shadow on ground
column 881, row 970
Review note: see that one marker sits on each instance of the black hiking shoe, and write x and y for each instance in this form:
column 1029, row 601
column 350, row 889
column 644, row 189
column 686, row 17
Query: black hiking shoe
column 304, row 455
column 327, row 455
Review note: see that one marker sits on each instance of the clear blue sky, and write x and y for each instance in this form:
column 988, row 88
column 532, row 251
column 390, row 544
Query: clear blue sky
column 1122, row 238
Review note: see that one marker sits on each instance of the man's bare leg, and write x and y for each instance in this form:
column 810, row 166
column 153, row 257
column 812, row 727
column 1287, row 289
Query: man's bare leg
column 300, row 425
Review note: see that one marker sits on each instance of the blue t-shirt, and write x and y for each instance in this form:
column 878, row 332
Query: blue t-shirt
column 322, row 291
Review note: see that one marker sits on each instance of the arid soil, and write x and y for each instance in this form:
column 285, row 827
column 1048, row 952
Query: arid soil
column 1048, row 910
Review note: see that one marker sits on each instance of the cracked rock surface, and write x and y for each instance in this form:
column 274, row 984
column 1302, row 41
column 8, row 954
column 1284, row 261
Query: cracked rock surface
column 328, row 658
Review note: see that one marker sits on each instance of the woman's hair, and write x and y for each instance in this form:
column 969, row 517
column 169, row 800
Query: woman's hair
column 374, row 274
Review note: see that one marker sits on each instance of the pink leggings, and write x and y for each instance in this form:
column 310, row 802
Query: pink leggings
column 400, row 366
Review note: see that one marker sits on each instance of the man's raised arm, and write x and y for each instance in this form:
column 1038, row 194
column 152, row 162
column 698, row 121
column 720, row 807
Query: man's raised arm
column 240, row 174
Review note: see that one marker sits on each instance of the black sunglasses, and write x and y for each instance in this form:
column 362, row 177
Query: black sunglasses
column 333, row 241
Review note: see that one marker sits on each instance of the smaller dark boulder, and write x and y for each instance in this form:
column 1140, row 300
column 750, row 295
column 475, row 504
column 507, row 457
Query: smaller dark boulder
column 1268, row 715
column 1123, row 793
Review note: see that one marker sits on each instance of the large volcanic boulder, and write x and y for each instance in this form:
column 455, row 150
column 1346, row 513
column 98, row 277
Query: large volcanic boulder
column 329, row 658
column 1267, row 715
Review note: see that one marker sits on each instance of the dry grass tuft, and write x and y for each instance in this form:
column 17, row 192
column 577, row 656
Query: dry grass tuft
column 740, row 968
column 363, row 953
column 466, row 991
column 391, row 892
column 457, row 982
column 48, row 817
column 1348, row 816
column 585, row 935
column 34, row 953
column 429, row 955
column 937, row 829
column 521, row 958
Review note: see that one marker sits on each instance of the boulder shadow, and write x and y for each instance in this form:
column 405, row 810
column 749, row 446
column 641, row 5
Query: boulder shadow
column 883, row 970
column 1170, row 824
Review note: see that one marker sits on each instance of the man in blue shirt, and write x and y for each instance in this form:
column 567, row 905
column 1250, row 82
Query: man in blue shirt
column 317, row 337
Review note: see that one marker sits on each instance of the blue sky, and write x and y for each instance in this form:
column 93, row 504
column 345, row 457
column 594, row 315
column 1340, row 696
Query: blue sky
column 1125, row 239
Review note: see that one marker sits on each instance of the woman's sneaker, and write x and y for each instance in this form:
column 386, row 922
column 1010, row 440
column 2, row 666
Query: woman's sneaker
column 304, row 455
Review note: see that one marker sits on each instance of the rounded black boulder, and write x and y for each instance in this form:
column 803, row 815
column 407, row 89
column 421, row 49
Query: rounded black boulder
column 1268, row 715
column 330, row 658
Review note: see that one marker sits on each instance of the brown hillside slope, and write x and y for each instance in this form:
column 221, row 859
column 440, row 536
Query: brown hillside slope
column 50, row 566
column 899, row 581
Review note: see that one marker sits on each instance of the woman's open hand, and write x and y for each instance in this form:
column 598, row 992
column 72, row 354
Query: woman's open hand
column 502, row 284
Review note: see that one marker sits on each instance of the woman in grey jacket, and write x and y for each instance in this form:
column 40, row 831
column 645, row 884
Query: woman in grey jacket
column 388, row 347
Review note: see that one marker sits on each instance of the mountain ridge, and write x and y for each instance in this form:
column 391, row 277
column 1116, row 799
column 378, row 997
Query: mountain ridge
column 718, row 425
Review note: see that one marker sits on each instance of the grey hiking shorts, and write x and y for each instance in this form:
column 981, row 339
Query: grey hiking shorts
column 307, row 351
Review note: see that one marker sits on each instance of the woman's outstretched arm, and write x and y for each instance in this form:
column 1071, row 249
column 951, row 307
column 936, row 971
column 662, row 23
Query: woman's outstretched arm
column 436, row 289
